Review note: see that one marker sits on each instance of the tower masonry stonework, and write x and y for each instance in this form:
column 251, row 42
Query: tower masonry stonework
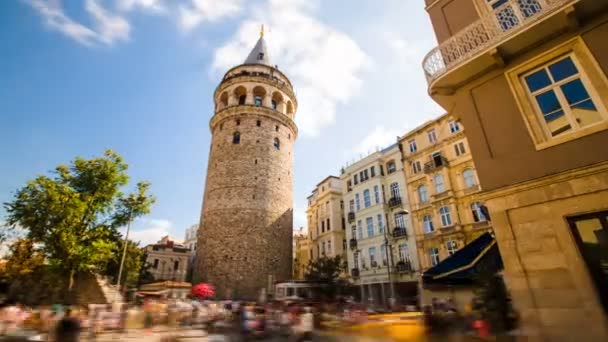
column 245, row 235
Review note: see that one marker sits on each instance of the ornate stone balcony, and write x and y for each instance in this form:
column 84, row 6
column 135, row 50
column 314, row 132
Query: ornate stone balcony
column 435, row 164
column 490, row 31
column 403, row 266
column 352, row 243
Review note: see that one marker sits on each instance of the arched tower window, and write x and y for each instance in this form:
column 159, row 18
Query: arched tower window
column 223, row 100
column 241, row 94
column 289, row 108
column 258, row 94
column 236, row 138
column 277, row 144
column 276, row 99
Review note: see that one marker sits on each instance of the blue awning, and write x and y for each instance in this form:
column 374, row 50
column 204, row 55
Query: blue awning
column 481, row 255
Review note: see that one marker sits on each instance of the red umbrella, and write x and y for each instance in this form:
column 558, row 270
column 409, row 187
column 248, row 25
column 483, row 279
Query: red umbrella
column 203, row 290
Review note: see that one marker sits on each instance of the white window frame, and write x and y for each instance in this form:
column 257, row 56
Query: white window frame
column 395, row 193
column 351, row 205
column 591, row 75
column 451, row 246
column 438, row 182
column 477, row 213
column 367, row 199
column 427, row 223
column 471, row 181
column 357, row 202
column 416, row 167
column 434, row 256
column 454, row 126
column 412, row 145
column 421, row 198
column 432, row 135
column 377, row 197
column 400, row 220
column 372, row 255
column 459, row 148
column 359, row 230
column 380, row 223
column 404, row 253
column 356, row 259
column 369, row 224
column 445, row 214
column 383, row 254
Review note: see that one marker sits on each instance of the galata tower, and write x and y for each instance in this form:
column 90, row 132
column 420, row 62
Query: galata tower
column 245, row 239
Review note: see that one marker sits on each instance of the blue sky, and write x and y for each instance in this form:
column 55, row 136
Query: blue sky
column 137, row 76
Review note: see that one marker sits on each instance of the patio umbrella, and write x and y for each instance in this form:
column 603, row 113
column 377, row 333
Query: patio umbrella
column 203, row 290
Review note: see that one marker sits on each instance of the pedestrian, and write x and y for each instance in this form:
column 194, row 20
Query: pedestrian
column 68, row 328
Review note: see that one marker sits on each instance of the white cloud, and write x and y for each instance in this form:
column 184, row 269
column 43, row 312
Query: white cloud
column 54, row 16
column 108, row 27
column 193, row 14
column 324, row 63
column 153, row 230
column 154, row 6
column 379, row 138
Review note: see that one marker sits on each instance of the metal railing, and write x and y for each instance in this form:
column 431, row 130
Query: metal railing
column 493, row 26
column 403, row 266
column 352, row 243
column 354, row 272
column 351, row 217
column 399, row 232
column 394, row 201
column 435, row 163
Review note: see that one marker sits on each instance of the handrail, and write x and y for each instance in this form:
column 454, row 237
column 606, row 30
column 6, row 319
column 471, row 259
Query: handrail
column 492, row 27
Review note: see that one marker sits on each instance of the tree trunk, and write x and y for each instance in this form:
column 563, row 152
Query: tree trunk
column 71, row 280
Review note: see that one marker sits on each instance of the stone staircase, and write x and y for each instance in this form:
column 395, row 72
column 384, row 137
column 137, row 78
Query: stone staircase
column 110, row 292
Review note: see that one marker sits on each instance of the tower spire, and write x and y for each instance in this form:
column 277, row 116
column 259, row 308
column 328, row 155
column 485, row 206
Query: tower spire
column 262, row 31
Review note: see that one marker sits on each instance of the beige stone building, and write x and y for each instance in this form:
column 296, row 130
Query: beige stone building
column 529, row 81
column 302, row 254
column 168, row 259
column 191, row 238
column 325, row 219
column 443, row 189
column 382, row 257
column 245, row 235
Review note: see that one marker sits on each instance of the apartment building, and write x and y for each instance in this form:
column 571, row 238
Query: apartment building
column 325, row 218
column 168, row 259
column 528, row 80
column 443, row 189
column 302, row 254
column 382, row 257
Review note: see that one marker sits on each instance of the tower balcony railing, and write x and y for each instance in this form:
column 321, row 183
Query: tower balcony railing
column 352, row 243
column 493, row 27
column 351, row 217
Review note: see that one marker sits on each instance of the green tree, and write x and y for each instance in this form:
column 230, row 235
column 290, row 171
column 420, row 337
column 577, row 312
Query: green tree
column 24, row 258
column 328, row 272
column 132, row 265
column 75, row 213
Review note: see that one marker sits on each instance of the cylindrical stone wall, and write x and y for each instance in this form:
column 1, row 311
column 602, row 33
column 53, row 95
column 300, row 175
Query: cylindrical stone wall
column 245, row 233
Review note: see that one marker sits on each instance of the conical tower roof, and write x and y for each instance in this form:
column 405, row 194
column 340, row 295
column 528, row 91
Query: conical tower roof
column 259, row 54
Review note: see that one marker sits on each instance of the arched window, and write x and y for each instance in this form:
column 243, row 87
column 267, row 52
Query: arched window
column 276, row 99
column 423, row 195
column 469, row 178
column 439, row 187
column 391, row 167
column 241, row 94
column 223, row 100
column 289, row 108
column 427, row 221
column 236, row 138
column 277, row 144
column 395, row 190
column 274, row 104
column 258, row 94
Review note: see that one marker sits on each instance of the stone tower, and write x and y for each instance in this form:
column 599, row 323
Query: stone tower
column 245, row 235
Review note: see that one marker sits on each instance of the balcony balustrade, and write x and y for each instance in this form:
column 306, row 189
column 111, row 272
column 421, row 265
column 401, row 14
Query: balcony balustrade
column 354, row 272
column 351, row 217
column 508, row 19
column 394, row 202
column 352, row 243
column 403, row 266
column 436, row 163
column 399, row 232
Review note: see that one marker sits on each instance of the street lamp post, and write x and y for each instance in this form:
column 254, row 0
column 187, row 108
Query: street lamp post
column 388, row 261
column 124, row 254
